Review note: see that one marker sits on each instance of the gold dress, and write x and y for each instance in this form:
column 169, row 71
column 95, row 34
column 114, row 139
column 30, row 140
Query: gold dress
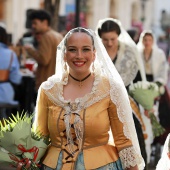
column 98, row 117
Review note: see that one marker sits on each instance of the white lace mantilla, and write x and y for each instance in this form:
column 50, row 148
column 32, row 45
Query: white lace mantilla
column 128, row 157
column 126, row 63
column 55, row 93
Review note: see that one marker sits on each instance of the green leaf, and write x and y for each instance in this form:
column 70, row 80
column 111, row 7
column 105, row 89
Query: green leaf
column 156, row 126
column 17, row 131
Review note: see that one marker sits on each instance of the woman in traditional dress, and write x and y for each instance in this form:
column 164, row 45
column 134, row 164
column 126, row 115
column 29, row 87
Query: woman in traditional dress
column 124, row 55
column 156, row 70
column 154, row 59
column 80, row 104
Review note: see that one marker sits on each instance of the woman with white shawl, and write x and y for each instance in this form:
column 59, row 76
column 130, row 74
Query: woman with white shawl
column 124, row 55
column 156, row 69
column 154, row 59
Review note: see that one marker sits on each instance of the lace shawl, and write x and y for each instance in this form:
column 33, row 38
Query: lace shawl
column 128, row 54
column 126, row 63
column 159, row 69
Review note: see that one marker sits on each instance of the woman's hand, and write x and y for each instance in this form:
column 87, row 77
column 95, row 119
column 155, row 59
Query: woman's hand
column 146, row 112
column 19, row 167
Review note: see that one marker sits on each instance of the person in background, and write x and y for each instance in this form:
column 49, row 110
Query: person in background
column 47, row 42
column 154, row 59
column 156, row 69
column 84, row 100
column 163, row 44
column 134, row 34
column 9, row 70
column 124, row 55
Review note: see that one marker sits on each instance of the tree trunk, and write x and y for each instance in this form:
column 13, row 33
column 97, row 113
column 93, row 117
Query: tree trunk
column 52, row 6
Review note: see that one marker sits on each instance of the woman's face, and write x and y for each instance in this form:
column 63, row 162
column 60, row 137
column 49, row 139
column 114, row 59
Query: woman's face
column 110, row 39
column 148, row 41
column 80, row 53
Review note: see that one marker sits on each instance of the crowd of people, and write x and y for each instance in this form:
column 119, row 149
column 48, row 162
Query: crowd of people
column 82, row 93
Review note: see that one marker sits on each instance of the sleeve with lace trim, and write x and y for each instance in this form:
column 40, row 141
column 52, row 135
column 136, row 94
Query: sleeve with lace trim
column 124, row 145
column 128, row 157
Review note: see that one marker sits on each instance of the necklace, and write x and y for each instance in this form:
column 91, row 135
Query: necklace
column 147, row 57
column 80, row 81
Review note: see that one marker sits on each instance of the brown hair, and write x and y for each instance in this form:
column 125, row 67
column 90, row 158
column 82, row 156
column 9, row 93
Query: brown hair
column 109, row 26
column 3, row 36
column 148, row 34
column 82, row 30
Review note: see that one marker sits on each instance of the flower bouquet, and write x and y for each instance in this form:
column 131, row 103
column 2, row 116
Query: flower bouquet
column 144, row 93
column 20, row 142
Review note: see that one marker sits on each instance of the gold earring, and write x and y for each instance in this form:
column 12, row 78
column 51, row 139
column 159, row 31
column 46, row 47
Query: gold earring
column 93, row 68
column 65, row 67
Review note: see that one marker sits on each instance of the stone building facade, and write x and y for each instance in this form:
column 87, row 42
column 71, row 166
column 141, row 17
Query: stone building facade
column 13, row 13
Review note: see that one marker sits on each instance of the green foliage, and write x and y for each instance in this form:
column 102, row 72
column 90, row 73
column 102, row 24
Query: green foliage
column 156, row 127
column 24, row 140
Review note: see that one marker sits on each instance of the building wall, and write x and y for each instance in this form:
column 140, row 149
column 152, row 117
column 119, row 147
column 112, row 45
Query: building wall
column 15, row 16
column 97, row 10
column 119, row 9
column 126, row 11
column 136, row 11
column 158, row 7
column 149, row 14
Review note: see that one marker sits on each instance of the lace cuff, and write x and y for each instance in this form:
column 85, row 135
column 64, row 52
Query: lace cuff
column 128, row 157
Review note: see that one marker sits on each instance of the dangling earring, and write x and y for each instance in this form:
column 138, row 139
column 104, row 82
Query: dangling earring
column 65, row 74
column 93, row 68
column 65, row 67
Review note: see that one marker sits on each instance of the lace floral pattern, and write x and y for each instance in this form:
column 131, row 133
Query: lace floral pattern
column 98, row 92
column 128, row 157
column 126, row 64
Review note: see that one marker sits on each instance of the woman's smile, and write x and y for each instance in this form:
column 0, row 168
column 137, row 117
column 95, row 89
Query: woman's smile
column 79, row 63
